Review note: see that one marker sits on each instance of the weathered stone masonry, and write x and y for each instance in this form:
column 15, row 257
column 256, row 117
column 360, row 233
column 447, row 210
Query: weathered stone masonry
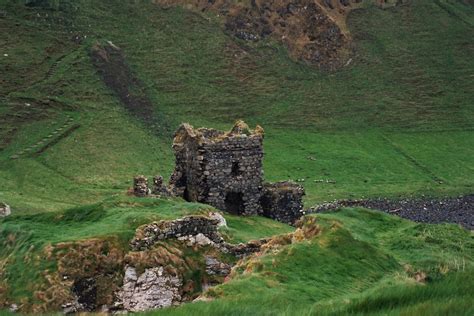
column 220, row 169
column 282, row 201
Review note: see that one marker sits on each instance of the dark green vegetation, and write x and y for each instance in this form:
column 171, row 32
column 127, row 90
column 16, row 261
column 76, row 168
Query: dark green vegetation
column 398, row 120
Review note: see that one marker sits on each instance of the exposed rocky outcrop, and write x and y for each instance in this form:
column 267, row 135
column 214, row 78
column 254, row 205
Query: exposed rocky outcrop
column 154, row 288
column 313, row 31
column 215, row 267
column 458, row 210
column 5, row 210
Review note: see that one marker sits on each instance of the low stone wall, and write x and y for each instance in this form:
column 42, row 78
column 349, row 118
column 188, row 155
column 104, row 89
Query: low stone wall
column 148, row 235
column 192, row 230
column 283, row 201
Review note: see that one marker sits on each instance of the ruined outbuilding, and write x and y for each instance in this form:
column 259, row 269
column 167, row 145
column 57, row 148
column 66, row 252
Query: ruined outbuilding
column 282, row 201
column 223, row 169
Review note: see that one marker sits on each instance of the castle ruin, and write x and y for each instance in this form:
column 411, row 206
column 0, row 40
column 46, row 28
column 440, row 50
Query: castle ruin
column 218, row 168
column 224, row 169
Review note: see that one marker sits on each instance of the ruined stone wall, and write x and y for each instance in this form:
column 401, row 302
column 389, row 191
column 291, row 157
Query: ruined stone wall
column 149, row 234
column 283, row 201
column 220, row 169
column 192, row 230
column 233, row 174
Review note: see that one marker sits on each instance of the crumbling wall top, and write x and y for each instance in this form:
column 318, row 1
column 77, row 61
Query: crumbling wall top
column 285, row 187
column 212, row 136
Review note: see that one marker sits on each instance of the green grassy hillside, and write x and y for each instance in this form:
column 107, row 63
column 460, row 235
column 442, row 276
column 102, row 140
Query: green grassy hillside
column 365, row 126
column 397, row 120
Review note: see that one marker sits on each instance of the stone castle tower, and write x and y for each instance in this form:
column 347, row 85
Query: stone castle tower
column 223, row 169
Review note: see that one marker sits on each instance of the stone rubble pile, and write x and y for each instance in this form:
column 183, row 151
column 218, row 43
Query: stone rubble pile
column 5, row 210
column 459, row 210
column 140, row 186
column 158, row 186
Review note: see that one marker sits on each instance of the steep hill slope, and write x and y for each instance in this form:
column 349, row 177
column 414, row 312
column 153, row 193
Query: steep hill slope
column 396, row 118
column 366, row 128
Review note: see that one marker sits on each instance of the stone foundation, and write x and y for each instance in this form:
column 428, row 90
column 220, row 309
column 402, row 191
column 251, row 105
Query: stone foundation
column 148, row 235
column 192, row 230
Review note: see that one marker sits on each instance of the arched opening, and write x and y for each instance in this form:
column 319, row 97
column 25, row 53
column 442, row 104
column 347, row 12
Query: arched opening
column 234, row 203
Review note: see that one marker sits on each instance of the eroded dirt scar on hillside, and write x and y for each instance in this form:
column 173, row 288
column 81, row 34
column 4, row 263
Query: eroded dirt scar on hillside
column 111, row 65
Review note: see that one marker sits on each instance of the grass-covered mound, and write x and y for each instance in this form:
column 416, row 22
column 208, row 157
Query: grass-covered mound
column 36, row 249
column 351, row 261
column 361, row 262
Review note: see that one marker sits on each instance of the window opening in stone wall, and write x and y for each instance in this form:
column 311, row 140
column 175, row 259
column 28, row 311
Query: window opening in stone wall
column 236, row 169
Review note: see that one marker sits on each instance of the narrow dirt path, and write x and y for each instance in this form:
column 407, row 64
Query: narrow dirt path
column 48, row 141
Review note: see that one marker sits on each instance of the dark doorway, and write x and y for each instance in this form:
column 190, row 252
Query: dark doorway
column 234, row 203
column 267, row 205
column 186, row 195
